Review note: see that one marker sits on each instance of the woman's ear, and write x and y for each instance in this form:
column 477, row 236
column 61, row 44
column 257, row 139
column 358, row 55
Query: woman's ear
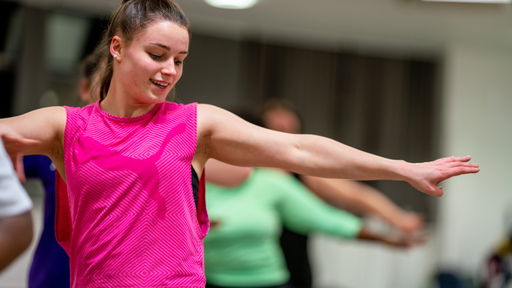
column 115, row 47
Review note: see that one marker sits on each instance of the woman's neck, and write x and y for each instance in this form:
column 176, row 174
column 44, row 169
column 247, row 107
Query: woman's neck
column 120, row 106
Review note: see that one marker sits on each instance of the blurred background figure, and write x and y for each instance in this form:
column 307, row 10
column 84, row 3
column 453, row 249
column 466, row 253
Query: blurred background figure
column 91, row 69
column 15, row 218
column 242, row 248
column 50, row 264
column 353, row 196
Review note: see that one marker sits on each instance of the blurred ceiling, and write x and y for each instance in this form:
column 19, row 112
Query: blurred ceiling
column 394, row 25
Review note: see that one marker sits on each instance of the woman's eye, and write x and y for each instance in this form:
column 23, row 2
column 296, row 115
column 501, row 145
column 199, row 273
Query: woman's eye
column 155, row 57
column 178, row 62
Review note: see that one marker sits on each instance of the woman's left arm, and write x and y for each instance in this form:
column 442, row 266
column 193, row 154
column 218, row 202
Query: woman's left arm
column 226, row 137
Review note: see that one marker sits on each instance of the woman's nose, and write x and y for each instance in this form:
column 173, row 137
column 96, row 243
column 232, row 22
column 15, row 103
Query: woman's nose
column 169, row 69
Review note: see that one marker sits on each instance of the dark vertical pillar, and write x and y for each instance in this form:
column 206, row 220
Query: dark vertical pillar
column 31, row 79
column 7, row 69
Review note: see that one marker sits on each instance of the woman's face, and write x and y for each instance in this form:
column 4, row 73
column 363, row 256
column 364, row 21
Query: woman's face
column 152, row 63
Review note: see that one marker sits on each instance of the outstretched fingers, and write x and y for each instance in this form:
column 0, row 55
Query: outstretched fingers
column 453, row 160
column 435, row 172
column 459, row 159
column 448, row 168
column 457, row 166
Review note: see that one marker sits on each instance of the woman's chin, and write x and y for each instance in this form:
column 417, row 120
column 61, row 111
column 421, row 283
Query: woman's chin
column 157, row 98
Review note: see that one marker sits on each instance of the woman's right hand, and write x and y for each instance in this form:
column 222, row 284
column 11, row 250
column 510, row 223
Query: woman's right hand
column 15, row 144
column 38, row 132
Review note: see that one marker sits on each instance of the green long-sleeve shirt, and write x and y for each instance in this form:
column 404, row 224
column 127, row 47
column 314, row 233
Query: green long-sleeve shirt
column 242, row 247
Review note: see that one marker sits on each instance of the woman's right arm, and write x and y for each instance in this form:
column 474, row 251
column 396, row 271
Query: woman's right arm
column 37, row 132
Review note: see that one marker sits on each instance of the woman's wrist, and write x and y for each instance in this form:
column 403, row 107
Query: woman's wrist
column 398, row 170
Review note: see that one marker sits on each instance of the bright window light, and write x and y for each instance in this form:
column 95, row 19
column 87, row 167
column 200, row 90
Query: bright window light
column 474, row 1
column 232, row 4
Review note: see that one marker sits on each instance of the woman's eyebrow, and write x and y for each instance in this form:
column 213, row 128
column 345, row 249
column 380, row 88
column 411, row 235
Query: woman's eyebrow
column 161, row 45
column 167, row 47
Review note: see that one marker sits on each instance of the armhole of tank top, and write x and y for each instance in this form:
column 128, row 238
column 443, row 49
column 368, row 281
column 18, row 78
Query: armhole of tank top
column 200, row 193
column 195, row 185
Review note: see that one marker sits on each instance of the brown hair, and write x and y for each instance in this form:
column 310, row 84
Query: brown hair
column 130, row 18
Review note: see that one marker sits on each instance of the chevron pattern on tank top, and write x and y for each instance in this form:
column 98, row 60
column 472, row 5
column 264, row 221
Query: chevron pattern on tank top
column 144, row 169
column 132, row 209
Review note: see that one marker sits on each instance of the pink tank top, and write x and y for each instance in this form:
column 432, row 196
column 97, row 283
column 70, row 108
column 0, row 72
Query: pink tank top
column 129, row 218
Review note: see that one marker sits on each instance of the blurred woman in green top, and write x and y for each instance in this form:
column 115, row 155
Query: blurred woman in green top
column 242, row 248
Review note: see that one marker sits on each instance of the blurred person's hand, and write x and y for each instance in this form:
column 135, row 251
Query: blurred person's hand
column 407, row 240
column 408, row 222
column 398, row 240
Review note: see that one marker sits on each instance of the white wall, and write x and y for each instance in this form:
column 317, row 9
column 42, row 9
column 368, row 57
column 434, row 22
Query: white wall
column 353, row 264
column 357, row 264
column 477, row 120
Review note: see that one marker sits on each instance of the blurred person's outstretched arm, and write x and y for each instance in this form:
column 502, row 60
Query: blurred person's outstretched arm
column 364, row 200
